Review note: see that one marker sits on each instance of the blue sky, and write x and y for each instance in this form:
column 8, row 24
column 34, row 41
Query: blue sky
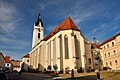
column 95, row 18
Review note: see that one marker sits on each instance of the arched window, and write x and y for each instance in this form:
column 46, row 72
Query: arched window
column 104, row 47
column 106, row 64
column 112, row 43
column 77, row 46
column 110, row 63
column 116, row 62
column 107, row 45
column 66, row 47
column 114, row 51
column 109, row 54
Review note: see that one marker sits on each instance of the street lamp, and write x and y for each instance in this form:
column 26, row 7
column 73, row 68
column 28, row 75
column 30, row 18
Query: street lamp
column 97, row 58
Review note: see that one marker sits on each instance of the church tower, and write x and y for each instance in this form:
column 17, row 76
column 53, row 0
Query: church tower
column 38, row 31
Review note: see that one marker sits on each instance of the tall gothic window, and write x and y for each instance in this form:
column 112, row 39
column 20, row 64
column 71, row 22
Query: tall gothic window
column 66, row 47
column 76, row 46
column 54, row 51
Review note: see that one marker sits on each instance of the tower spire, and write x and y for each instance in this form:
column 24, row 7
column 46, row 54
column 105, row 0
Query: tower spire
column 39, row 21
column 38, row 32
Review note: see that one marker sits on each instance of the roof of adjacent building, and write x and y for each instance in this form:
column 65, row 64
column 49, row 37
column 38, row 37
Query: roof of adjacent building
column 65, row 25
column 110, row 39
column 2, row 55
column 7, row 59
column 95, row 45
column 16, row 63
column 26, row 56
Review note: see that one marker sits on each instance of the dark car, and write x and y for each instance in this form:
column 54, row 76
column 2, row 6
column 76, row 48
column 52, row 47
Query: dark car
column 3, row 76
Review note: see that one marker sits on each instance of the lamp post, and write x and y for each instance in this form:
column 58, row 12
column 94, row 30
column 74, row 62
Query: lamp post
column 97, row 58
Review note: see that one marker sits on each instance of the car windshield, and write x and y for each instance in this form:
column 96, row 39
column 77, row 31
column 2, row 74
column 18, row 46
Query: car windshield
column 3, row 76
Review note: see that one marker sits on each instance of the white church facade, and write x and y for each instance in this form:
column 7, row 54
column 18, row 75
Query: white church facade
column 64, row 46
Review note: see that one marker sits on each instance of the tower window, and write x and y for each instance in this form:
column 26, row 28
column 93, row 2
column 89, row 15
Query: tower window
column 38, row 35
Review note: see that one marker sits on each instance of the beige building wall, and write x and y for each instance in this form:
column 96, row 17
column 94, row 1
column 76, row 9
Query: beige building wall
column 111, row 53
column 2, row 61
column 26, row 63
column 38, row 56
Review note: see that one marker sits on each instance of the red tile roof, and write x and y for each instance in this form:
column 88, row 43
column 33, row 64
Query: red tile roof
column 16, row 63
column 26, row 56
column 110, row 39
column 94, row 45
column 65, row 25
column 7, row 59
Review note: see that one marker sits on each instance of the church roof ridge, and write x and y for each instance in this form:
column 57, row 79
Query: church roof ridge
column 65, row 25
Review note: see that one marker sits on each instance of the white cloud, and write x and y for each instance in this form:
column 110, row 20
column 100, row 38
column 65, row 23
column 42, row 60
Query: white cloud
column 50, row 27
column 13, row 55
column 7, row 17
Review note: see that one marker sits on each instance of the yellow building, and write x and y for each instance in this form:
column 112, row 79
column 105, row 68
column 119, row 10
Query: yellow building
column 111, row 52
column 26, row 62
column 65, row 47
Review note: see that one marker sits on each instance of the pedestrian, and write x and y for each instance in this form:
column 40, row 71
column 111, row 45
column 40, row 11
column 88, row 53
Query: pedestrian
column 20, row 72
column 72, row 73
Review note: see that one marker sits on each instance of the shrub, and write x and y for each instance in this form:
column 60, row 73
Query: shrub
column 55, row 67
column 67, row 70
column 49, row 67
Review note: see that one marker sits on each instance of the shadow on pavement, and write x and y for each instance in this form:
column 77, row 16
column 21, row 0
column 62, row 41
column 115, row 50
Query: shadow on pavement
column 91, row 77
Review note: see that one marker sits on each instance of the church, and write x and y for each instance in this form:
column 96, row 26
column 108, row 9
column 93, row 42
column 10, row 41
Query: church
column 64, row 47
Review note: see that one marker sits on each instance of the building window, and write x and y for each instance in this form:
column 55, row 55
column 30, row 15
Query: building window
column 77, row 46
column 109, row 54
column 114, row 52
column 27, row 60
column 112, row 43
column 110, row 63
column 107, row 46
column 106, row 63
column 38, row 35
column 104, row 47
column 116, row 62
column 105, row 55
column 7, row 64
column 89, row 61
column 66, row 47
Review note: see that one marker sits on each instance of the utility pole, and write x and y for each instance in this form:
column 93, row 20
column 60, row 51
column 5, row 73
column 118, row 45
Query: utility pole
column 97, row 58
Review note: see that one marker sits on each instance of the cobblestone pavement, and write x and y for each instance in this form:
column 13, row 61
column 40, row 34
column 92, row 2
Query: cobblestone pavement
column 28, row 76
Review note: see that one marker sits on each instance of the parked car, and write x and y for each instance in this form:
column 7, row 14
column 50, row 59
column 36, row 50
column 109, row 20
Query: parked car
column 3, row 76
